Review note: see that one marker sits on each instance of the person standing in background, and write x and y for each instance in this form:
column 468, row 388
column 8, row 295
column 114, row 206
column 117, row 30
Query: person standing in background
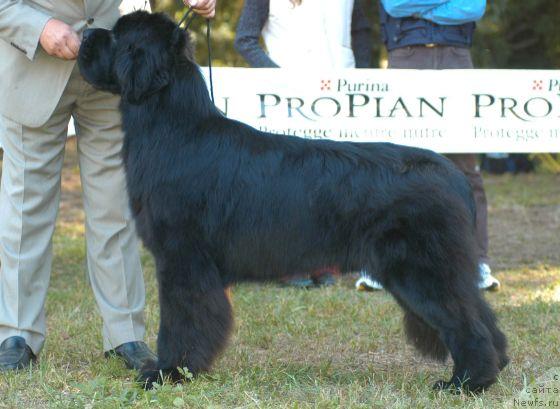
column 305, row 34
column 40, row 90
column 438, row 34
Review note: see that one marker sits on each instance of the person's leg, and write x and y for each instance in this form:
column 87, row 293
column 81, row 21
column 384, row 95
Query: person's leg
column 113, row 257
column 455, row 58
column 460, row 58
column 29, row 199
column 467, row 164
column 412, row 57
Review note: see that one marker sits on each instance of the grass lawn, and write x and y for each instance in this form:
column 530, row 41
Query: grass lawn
column 327, row 348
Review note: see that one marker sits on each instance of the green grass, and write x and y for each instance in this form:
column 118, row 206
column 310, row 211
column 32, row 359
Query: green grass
column 533, row 189
column 325, row 348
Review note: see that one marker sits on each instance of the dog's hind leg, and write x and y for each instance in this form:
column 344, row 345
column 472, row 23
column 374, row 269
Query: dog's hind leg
column 433, row 276
column 424, row 337
column 459, row 328
column 498, row 338
column 428, row 262
column 195, row 316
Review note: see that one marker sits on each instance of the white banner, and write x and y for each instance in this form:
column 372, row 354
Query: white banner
column 446, row 111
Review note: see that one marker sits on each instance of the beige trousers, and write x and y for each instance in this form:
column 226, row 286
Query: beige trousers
column 29, row 201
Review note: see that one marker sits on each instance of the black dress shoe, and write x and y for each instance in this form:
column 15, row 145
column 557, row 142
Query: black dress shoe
column 136, row 355
column 15, row 354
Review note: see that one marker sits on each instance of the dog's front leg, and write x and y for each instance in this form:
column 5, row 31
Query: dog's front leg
column 195, row 318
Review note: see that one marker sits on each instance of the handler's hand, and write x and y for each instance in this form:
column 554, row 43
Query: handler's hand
column 60, row 40
column 206, row 8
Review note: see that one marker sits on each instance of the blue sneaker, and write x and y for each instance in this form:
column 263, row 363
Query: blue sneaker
column 299, row 282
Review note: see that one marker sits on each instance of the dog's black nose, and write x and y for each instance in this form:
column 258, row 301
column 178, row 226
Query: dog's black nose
column 87, row 33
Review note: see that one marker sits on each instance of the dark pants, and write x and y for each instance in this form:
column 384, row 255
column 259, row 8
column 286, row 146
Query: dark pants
column 420, row 57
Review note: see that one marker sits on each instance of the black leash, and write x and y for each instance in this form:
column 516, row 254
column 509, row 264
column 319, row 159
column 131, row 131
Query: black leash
column 188, row 17
column 209, row 60
column 185, row 17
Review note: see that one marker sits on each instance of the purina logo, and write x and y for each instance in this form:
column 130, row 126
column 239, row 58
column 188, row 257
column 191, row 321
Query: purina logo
column 537, row 85
column 344, row 85
column 325, row 85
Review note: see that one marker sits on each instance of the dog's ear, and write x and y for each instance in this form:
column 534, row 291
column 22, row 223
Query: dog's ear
column 141, row 75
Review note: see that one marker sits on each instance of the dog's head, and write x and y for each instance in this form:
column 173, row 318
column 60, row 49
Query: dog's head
column 135, row 58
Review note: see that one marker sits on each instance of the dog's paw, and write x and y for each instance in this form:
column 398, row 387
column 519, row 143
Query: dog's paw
column 441, row 385
column 457, row 387
column 148, row 378
column 450, row 387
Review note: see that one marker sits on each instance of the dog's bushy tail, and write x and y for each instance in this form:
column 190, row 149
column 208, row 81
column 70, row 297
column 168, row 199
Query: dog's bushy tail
column 423, row 337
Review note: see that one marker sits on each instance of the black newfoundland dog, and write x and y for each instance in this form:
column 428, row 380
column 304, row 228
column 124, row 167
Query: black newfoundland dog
column 217, row 202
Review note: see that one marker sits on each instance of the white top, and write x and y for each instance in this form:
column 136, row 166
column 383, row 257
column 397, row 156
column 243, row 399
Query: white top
column 315, row 34
column 128, row 6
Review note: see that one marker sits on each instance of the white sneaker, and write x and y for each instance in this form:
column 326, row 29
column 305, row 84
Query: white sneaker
column 487, row 281
column 366, row 283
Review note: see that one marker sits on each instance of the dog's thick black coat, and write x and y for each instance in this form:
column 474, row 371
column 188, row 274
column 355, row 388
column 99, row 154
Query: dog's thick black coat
column 217, row 202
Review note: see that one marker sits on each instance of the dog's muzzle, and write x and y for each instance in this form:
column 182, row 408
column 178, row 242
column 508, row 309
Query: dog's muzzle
column 87, row 34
